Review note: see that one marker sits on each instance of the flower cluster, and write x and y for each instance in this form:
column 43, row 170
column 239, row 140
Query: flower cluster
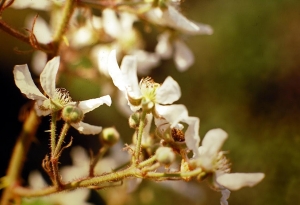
column 166, row 141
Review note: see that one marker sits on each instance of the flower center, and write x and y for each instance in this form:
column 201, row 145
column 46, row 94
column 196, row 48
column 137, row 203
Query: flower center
column 60, row 99
column 148, row 89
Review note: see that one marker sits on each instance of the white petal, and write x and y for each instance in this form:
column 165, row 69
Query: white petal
column 129, row 73
column 175, row 19
column 115, row 72
column 111, row 23
column 172, row 113
column 89, row 105
column 235, row 181
column 192, row 138
column 164, row 48
column 183, row 56
column 213, row 141
column 48, row 76
column 87, row 129
column 225, row 196
column 168, row 92
column 25, row 83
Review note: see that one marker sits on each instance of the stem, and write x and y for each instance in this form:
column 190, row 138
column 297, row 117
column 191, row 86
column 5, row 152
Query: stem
column 174, row 175
column 139, row 138
column 11, row 31
column 62, row 26
column 19, row 154
column 53, row 133
column 61, row 140
column 95, row 160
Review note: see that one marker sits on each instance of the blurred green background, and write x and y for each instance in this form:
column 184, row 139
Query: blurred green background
column 246, row 80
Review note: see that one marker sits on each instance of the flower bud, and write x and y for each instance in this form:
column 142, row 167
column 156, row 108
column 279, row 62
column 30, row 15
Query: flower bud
column 72, row 114
column 165, row 155
column 109, row 136
column 134, row 120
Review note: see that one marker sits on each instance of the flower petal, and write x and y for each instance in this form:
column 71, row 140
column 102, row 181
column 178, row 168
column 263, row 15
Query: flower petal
column 168, row 92
column 89, row 105
column 235, row 181
column 25, row 83
column 213, row 141
column 192, row 138
column 48, row 76
column 164, row 47
column 183, row 56
column 115, row 72
column 172, row 113
column 175, row 19
column 129, row 73
column 87, row 129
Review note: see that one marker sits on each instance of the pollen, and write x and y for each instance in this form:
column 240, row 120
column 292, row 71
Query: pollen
column 148, row 88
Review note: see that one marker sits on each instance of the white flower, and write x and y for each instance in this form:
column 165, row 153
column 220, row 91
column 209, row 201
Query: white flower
column 56, row 98
column 39, row 5
column 212, row 160
column 147, row 93
column 170, row 17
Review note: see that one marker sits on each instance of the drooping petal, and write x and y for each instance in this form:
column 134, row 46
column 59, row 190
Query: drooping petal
column 89, row 105
column 168, row 92
column 225, row 196
column 172, row 113
column 48, row 76
column 213, row 141
column 87, row 129
column 192, row 138
column 235, row 181
column 164, row 47
column 183, row 56
column 175, row 19
column 25, row 83
column 115, row 72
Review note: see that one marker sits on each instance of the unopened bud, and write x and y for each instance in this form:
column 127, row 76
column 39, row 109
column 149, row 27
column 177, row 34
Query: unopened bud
column 72, row 114
column 109, row 136
column 134, row 120
column 165, row 155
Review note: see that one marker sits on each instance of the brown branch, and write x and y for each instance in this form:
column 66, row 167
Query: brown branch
column 22, row 37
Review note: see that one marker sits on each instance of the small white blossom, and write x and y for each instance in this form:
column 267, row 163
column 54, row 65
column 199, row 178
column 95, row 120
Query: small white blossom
column 212, row 160
column 56, row 98
column 147, row 93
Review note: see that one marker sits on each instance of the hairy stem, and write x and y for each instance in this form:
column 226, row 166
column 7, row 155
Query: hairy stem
column 139, row 138
column 19, row 154
column 64, row 20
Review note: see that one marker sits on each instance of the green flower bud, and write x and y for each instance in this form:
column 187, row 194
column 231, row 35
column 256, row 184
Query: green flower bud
column 72, row 114
column 109, row 136
column 134, row 120
column 165, row 155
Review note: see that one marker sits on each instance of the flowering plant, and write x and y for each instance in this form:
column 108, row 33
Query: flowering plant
column 165, row 144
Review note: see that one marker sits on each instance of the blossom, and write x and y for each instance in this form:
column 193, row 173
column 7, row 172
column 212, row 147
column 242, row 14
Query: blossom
column 147, row 94
column 56, row 98
column 212, row 160
column 169, row 45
